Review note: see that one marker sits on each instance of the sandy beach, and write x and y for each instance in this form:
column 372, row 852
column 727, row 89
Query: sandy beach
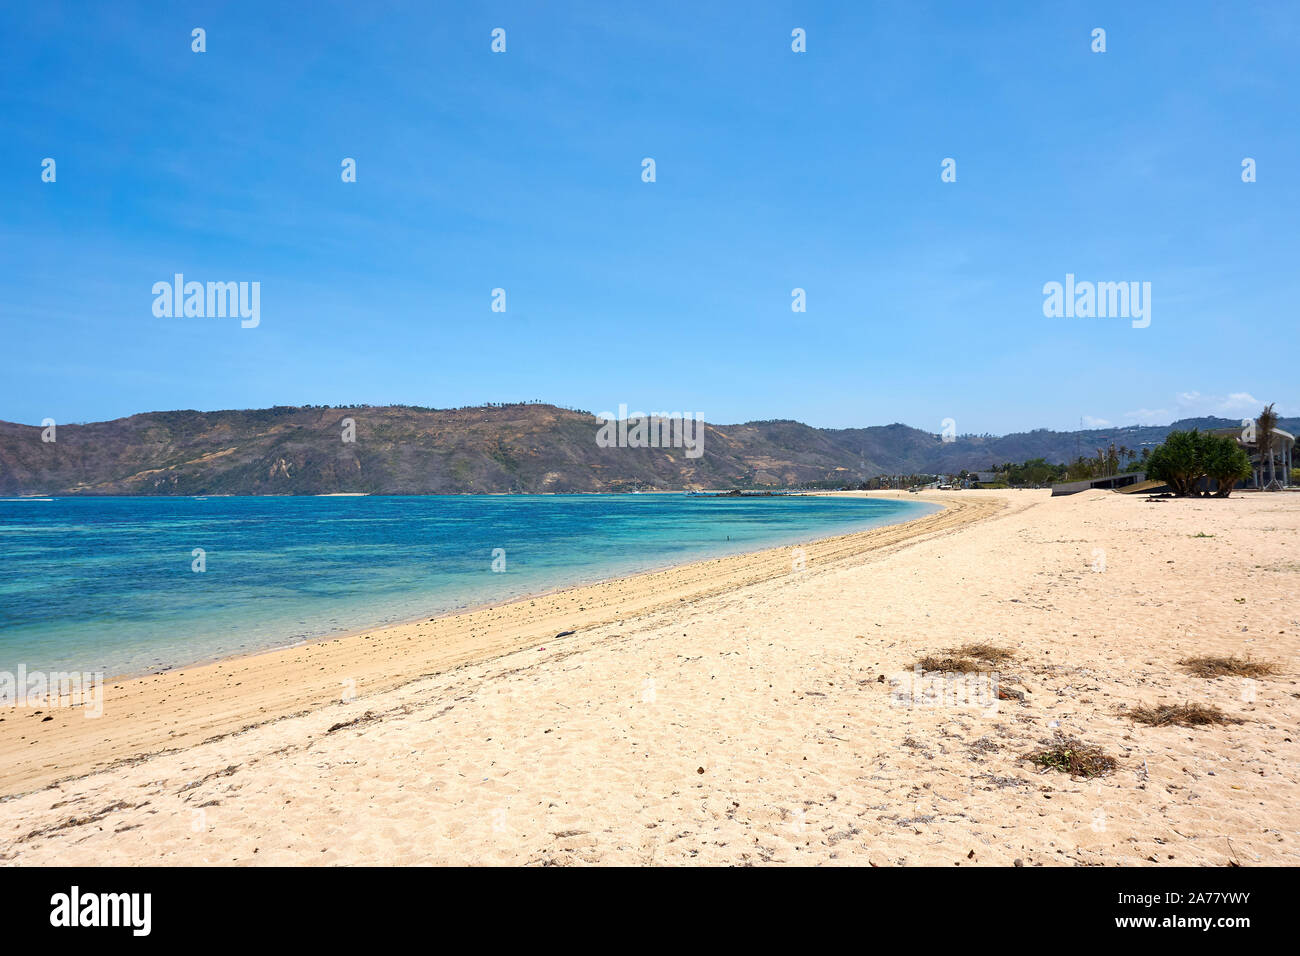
column 759, row 709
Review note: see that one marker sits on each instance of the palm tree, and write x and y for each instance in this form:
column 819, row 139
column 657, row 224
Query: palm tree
column 1111, row 456
column 1264, row 428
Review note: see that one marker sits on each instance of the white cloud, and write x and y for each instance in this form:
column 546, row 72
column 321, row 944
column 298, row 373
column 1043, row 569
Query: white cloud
column 1240, row 402
column 1191, row 405
column 1149, row 416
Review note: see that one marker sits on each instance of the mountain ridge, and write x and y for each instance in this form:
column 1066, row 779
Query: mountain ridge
column 525, row 448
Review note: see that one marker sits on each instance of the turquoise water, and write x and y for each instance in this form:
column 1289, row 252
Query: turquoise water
column 107, row 584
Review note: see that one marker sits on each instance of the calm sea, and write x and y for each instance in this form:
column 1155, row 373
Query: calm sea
column 109, row 584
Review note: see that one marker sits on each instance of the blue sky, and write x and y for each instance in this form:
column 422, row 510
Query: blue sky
column 775, row 170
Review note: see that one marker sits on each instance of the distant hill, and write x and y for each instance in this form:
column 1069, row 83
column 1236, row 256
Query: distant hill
column 511, row 448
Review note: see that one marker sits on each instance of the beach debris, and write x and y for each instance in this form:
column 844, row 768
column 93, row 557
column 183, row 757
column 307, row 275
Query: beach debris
column 564, row 634
column 1219, row 666
column 363, row 719
column 231, row 768
column 965, row 659
column 1184, row 715
column 1072, row 756
column 947, row 664
column 73, row 822
column 984, row 652
column 1234, row 861
column 1000, row 782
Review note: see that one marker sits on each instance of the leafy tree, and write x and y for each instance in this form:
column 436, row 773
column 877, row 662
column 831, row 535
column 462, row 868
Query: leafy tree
column 1177, row 462
column 1187, row 457
column 1035, row 472
column 1081, row 468
column 1225, row 462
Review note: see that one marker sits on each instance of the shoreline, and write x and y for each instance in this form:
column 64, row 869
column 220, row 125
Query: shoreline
column 249, row 689
column 736, row 713
column 545, row 592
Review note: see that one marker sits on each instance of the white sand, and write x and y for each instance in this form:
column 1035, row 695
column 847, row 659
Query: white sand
column 589, row 749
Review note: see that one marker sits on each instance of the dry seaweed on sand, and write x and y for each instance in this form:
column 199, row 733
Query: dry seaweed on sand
column 947, row 664
column 983, row 652
column 966, row 659
column 1184, row 715
column 1219, row 666
column 1074, row 757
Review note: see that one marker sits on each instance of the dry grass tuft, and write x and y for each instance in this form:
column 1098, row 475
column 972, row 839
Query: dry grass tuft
column 983, row 652
column 1212, row 666
column 1074, row 757
column 947, row 664
column 1184, row 715
column 968, row 658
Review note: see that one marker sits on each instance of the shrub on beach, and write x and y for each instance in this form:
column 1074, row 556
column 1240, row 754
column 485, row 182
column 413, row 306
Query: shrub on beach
column 1069, row 755
column 1187, row 457
column 1184, row 715
column 1219, row 666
